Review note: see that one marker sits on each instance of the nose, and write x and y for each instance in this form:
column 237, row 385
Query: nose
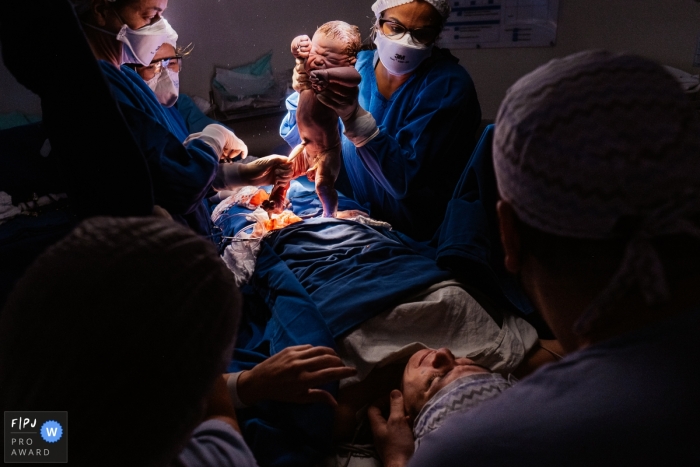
column 443, row 358
column 318, row 61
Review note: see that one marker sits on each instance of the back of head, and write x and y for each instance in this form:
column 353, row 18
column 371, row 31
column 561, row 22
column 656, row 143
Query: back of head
column 344, row 32
column 124, row 323
column 603, row 147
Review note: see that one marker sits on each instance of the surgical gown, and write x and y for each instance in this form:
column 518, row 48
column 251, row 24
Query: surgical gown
column 427, row 129
column 181, row 176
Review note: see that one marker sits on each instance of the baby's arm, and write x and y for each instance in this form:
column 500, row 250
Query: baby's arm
column 301, row 45
column 346, row 76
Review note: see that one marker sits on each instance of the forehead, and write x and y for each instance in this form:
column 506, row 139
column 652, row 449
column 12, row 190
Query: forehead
column 414, row 14
column 151, row 6
column 166, row 50
column 324, row 43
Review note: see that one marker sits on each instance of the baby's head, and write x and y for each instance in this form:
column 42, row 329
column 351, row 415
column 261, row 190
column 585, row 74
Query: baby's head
column 334, row 44
column 434, row 379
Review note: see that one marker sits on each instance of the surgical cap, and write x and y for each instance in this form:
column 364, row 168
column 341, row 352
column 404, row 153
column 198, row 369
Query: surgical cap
column 442, row 6
column 169, row 33
column 595, row 140
column 459, row 396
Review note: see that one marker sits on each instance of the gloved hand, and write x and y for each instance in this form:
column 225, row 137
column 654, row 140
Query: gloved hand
column 340, row 98
column 360, row 126
column 226, row 144
column 300, row 80
column 270, row 170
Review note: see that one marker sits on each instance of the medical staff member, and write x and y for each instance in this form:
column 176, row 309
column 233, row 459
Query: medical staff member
column 410, row 128
column 162, row 76
column 182, row 168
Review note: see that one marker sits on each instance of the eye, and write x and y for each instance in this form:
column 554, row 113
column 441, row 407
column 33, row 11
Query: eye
column 432, row 378
column 395, row 28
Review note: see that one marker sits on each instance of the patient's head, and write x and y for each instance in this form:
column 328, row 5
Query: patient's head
column 124, row 323
column 430, row 370
column 436, row 385
column 334, row 44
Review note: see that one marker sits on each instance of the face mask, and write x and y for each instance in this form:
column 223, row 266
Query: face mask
column 401, row 56
column 166, row 86
column 140, row 45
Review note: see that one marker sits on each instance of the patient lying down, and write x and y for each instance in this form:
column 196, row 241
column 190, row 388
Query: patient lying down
column 396, row 349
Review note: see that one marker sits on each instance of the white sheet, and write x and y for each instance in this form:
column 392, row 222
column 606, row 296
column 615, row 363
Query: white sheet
column 444, row 315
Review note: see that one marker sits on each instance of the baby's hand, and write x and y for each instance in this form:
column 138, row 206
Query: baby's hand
column 319, row 79
column 301, row 46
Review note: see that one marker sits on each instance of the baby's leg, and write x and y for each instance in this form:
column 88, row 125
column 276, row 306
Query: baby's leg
column 327, row 171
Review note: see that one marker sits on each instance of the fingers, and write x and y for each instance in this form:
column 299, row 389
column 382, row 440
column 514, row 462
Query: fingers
column 315, row 352
column 376, row 420
column 329, row 375
column 398, row 412
column 318, row 396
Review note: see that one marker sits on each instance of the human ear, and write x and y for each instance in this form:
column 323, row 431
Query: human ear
column 99, row 12
column 510, row 238
column 352, row 60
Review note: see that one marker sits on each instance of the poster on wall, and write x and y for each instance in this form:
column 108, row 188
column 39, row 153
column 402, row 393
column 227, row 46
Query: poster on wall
column 475, row 24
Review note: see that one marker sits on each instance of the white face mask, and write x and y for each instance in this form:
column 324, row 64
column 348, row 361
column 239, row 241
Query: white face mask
column 140, row 45
column 166, row 86
column 401, row 56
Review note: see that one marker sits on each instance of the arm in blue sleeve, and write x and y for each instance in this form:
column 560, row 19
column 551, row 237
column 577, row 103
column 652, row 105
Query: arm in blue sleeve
column 288, row 129
column 194, row 118
column 215, row 444
column 444, row 111
column 181, row 176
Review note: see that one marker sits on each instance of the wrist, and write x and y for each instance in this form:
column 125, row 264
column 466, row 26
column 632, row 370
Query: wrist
column 248, row 393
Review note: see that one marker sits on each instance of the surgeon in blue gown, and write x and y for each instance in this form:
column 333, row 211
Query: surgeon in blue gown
column 162, row 76
column 183, row 166
column 410, row 128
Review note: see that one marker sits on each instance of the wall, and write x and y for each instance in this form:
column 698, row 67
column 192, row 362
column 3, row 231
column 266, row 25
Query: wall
column 234, row 32
column 665, row 31
column 228, row 33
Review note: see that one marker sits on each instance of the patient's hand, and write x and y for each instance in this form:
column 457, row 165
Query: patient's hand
column 393, row 437
column 293, row 376
column 301, row 46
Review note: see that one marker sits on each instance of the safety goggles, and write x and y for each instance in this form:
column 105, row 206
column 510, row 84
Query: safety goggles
column 149, row 72
column 396, row 31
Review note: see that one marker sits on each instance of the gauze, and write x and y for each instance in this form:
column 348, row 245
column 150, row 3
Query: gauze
column 402, row 56
column 167, row 87
column 592, row 142
column 140, row 45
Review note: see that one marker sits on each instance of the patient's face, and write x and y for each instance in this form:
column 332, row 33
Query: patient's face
column 430, row 370
column 327, row 52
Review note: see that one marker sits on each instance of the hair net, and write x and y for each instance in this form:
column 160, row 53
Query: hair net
column 442, row 6
column 596, row 140
column 459, row 396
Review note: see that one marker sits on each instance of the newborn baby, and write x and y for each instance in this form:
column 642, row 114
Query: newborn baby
column 328, row 59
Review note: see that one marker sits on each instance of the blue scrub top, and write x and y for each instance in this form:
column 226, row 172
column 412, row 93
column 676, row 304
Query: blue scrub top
column 427, row 132
column 181, row 175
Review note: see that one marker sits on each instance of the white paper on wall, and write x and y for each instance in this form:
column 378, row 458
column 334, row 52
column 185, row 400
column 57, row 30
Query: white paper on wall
column 501, row 23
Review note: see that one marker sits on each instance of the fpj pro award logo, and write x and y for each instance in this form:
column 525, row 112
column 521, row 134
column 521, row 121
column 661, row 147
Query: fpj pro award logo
column 37, row 437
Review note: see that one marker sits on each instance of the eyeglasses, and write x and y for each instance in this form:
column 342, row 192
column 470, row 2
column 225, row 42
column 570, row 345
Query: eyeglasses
column 396, row 31
column 149, row 72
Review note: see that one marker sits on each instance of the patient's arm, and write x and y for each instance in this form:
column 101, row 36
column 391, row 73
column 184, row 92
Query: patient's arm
column 346, row 76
